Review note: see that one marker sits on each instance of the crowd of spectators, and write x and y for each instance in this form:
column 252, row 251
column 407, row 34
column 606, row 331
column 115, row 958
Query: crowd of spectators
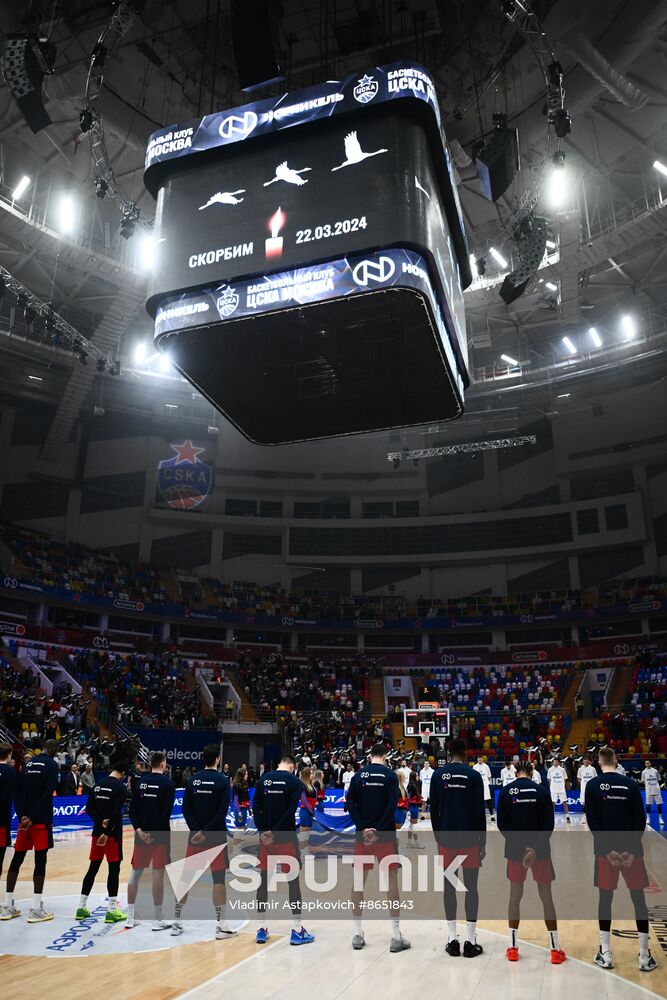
column 138, row 690
column 640, row 726
column 48, row 561
column 281, row 685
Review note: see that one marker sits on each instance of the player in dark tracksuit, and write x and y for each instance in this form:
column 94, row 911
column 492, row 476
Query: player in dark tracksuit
column 526, row 820
column 105, row 805
column 151, row 804
column 459, row 825
column 615, row 817
column 7, row 787
column 33, row 798
column 205, row 806
column 371, row 802
column 277, row 797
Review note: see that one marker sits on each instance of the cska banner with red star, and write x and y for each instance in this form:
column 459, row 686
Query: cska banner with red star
column 184, row 479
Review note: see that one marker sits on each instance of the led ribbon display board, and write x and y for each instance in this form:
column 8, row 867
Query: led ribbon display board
column 259, row 217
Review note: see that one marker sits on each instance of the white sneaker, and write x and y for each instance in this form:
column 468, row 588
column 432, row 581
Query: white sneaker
column 9, row 912
column 221, row 934
column 161, row 925
column 647, row 963
column 176, row 928
column 130, row 923
column 38, row 916
column 604, row 960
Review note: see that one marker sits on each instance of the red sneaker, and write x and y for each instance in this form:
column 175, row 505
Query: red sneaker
column 557, row 956
column 513, row 954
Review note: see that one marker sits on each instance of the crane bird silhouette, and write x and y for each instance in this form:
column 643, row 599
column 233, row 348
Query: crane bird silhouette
column 285, row 173
column 224, row 198
column 354, row 153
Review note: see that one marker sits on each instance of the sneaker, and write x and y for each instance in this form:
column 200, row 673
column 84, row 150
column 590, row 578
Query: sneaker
column 221, row 934
column 9, row 912
column 399, row 944
column 557, row 956
column 492, row 818
column 158, row 925
column 38, row 916
column 130, row 923
column 512, row 954
column 176, row 928
column 604, row 960
column 567, row 819
column 114, row 916
column 261, row 937
column 418, row 846
column 82, row 913
column 647, row 963
column 301, row 937
column 471, row 950
column 453, row 948
column 358, row 942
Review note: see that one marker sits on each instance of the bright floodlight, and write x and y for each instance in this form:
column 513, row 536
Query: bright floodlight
column 628, row 325
column 557, row 187
column 550, row 285
column 498, row 257
column 165, row 363
column 147, row 250
column 595, row 337
column 66, row 214
column 21, row 187
column 569, row 345
column 509, row 360
column 140, row 352
column 473, row 265
column 660, row 167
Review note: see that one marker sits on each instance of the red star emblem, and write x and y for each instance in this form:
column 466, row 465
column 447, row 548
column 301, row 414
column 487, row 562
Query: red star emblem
column 187, row 452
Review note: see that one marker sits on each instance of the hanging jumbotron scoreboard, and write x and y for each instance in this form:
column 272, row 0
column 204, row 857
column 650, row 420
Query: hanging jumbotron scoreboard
column 311, row 259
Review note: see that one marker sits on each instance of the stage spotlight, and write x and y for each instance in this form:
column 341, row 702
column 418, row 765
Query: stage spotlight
column 567, row 343
column 101, row 365
column 86, row 119
column 114, row 368
column 509, row 360
column 595, row 337
column 83, row 358
column 101, row 187
column 498, row 257
column 396, row 463
column 129, row 223
column 29, row 315
column 21, row 188
column 100, row 53
column 66, row 214
column 660, row 167
column 481, row 267
column 629, row 328
column 562, row 122
column 557, row 189
column 550, row 285
column 473, row 265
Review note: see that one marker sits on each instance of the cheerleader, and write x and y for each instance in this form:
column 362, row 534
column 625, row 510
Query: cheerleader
column 320, row 788
column 241, row 800
column 401, row 812
column 307, row 805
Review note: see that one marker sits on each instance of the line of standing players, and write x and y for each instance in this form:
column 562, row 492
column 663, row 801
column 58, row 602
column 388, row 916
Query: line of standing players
column 613, row 806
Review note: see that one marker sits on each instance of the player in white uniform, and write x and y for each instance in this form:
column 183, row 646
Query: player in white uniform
column 650, row 779
column 584, row 775
column 425, row 776
column 348, row 775
column 556, row 777
column 508, row 773
column 482, row 768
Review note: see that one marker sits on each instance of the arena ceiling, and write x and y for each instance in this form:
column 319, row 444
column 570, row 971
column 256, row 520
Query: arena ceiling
column 611, row 229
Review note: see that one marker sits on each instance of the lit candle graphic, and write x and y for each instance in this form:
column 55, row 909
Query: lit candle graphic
column 274, row 245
